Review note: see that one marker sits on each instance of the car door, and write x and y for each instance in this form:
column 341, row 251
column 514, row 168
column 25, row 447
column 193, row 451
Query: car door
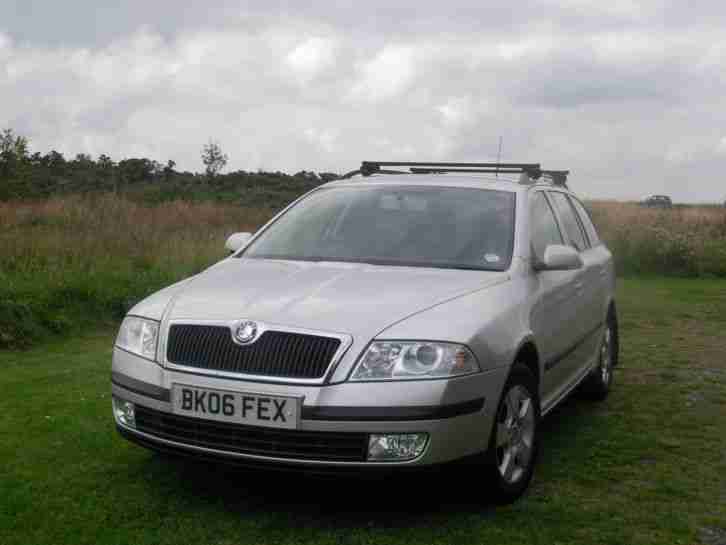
column 553, row 316
column 602, row 264
column 587, row 286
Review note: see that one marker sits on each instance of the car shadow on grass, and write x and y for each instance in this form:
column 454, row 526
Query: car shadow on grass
column 392, row 500
column 325, row 500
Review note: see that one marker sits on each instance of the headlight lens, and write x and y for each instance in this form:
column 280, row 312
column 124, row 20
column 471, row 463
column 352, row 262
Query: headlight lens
column 139, row 336
column 410, row 360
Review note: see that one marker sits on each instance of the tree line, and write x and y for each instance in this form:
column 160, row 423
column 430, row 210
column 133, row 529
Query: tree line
column 26, row 175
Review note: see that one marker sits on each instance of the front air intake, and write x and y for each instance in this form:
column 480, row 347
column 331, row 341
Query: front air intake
column 279, row 354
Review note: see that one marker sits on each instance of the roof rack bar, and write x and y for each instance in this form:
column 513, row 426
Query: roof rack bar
column 531, row 172
column 426, row 170
column 522, row 166
column 558, row 177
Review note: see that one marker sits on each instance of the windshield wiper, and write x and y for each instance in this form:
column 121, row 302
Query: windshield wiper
column 377, row 262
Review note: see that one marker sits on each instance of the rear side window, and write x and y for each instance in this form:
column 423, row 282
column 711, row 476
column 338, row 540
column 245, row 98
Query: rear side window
column 587, row 222
column 544, row 230
column 569, row 221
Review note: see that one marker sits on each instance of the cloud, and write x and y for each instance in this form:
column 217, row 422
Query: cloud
column 324, row 139
column 629, row 95
column 311, row 57
column 456, row 111
column 387, row 75
column 4, row 44
column 624, row 9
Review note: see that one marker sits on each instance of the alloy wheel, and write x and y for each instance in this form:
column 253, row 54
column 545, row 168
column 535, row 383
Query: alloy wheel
column 515, row 434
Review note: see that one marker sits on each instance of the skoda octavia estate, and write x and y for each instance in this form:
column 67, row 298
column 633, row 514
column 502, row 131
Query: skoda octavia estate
column 406, row 315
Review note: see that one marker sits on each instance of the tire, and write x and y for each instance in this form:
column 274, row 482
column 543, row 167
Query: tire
column 598, row 384
column 514, row 442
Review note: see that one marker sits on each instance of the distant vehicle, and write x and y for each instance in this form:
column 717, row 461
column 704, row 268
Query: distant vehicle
column 386, row 320
column 658, row 201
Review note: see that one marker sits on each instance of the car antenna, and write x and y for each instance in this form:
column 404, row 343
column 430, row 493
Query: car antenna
column 499, row 154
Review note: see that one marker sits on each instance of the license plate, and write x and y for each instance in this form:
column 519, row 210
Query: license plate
column 236, row 407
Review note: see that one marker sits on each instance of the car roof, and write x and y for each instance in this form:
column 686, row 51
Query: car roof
column 464, row 180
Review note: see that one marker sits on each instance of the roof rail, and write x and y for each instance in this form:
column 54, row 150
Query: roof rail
column 531, row 172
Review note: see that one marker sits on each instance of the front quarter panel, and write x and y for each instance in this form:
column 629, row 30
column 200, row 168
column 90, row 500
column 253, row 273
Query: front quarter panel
column 490, row 322
column 154, row 305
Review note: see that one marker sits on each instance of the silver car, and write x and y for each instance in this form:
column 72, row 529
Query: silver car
column 391, row 319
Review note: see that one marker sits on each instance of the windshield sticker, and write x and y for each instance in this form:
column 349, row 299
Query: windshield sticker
column 492, row 258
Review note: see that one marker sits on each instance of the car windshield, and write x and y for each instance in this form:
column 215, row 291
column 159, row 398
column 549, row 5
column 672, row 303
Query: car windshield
column 441, row 227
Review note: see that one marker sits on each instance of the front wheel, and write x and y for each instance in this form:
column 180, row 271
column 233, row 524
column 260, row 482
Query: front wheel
column 597, row 385
column 514, row 442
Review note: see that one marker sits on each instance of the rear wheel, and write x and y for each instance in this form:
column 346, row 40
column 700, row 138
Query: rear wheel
column 514, row 442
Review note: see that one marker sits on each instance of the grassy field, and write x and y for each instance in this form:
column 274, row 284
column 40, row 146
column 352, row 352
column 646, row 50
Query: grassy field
column 687, row 241
column 646, row 466
column 72, row 262
column 67, row 263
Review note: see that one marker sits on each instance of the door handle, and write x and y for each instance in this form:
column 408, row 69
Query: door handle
column 579, row 286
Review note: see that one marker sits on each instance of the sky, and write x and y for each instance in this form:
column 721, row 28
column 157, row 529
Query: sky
column 629, row 95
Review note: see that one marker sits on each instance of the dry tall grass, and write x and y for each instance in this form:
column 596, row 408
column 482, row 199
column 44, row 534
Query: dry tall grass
column 68, row 262
column 684, row 241
column 74, row 232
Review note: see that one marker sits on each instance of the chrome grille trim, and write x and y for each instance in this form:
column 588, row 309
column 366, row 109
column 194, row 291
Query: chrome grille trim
column 345, row 342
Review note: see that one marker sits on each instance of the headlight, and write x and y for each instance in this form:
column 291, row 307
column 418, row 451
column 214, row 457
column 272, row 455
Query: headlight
column 139, row 336
column 410, row 360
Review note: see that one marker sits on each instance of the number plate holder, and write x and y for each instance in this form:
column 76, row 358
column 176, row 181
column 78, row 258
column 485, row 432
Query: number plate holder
column 247, row 408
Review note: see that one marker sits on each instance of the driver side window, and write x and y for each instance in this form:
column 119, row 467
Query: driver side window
column 543, row 226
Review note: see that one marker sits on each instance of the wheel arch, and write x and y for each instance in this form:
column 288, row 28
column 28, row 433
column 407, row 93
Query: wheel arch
column 528, row 355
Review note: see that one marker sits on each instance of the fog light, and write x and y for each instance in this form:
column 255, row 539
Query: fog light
column 124, row 412
column 396, row 446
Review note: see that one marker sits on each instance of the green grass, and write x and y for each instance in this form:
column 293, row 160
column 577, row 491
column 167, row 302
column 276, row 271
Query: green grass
column 646, row 466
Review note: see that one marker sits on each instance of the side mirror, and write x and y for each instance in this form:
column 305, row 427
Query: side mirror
column 237, row 241
column 560, row 258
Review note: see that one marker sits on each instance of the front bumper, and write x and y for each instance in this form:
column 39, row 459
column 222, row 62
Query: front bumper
column 353, row 471
column 457, row 414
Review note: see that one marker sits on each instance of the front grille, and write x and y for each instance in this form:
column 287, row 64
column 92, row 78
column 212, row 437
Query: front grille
column 234, row 438
column 275, row 353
